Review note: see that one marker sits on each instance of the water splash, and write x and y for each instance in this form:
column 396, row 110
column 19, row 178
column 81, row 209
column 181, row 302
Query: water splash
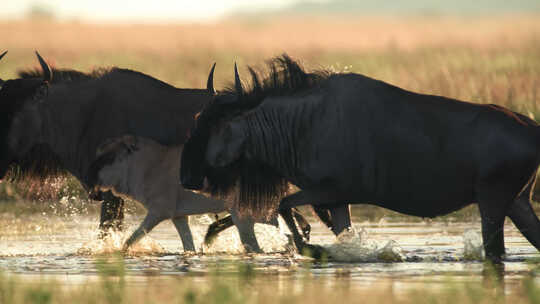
column 352, row 246
column 114, row 241
column 473, row 249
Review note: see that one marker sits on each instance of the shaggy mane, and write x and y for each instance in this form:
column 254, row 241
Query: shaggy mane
column 284, row 76
column 254, row 188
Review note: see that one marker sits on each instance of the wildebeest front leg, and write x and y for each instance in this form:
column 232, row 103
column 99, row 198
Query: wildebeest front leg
column 302, row 198
column 182, row 226
column 112, row 213
column 303, row 223
column 341, row 218
column 149, row 222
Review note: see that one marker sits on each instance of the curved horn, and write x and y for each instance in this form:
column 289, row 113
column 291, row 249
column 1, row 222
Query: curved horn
column 1, row 81
column 237, row 81
column 210, row 82
column 255, row 79
column 47, row 74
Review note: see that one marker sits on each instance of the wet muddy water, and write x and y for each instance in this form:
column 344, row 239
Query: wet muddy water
column 401, row 254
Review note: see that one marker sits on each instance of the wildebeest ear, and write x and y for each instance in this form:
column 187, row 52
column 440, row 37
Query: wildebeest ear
column 226, row 146
column 210, row 81
column 47, row 73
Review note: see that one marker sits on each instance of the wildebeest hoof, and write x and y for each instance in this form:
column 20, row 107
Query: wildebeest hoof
column 314, row 251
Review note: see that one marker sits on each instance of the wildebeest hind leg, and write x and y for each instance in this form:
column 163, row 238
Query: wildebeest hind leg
column 523, row 216
column 299, row 198
column 493, row 214
column 216, row 227
column 182, row 226
column 149, row 222
column 303, row 223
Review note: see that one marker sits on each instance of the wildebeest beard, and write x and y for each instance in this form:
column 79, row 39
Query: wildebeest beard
column 40, row 161
column 251, row 187
column 254, row 188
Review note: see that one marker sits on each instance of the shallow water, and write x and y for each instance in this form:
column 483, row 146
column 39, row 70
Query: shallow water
column 403, row 255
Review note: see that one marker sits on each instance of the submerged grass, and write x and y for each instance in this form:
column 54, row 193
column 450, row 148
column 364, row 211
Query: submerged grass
column 245, row 285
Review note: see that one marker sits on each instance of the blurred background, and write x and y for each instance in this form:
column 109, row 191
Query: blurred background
column 485, row 51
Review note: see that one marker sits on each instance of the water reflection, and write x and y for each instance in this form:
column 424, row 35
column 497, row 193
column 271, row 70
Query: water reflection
column 68, row 247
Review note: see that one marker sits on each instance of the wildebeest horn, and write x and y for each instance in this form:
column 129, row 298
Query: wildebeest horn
column 237, row 82
column 210, row 82
column 3, row 54
column 47, row 74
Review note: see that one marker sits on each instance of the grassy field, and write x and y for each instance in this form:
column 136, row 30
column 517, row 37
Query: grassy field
column 480, row 59
column 487, row 60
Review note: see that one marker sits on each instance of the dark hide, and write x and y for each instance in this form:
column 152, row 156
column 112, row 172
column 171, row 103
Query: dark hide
column 41, row 162
column 348, row 138
column 78, row 116
column 254, row 187
column 84, row 110
column 13, row 95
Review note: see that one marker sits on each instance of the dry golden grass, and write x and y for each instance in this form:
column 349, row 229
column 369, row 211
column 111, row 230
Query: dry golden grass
column 444, row 55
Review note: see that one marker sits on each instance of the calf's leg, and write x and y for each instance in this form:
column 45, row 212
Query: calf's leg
column 149, row 222
column 182, row 226
column 245, row 226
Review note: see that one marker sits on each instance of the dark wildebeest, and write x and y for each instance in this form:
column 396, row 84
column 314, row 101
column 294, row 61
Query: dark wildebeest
column 347, row 138
column 112, row 208
column 83, row 125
